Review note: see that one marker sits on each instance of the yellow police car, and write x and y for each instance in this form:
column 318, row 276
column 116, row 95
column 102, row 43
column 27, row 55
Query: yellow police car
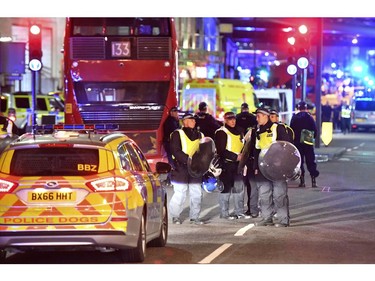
column 76, row 188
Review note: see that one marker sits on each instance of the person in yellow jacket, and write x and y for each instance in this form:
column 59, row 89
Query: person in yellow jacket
column 183, row 142
column 345, row 115
column 229, row 144
column 273, row 195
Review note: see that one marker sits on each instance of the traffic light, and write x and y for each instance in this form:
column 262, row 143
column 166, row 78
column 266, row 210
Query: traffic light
column 35, row 47
column 302, row 45
column 298, row 50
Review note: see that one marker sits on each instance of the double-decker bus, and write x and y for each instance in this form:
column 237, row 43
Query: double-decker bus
column 122, row 71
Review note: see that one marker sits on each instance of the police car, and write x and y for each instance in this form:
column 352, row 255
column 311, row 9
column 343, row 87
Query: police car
column 76, row 188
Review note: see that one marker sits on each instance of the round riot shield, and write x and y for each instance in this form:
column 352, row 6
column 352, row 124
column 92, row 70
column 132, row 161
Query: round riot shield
column 199, row 163
column 280, row 161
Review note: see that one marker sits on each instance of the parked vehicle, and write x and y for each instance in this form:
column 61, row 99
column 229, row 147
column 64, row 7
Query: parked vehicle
column 278, row 99
column 221, row 95
column 76, row 188
column 49, row 108
column 363, row 113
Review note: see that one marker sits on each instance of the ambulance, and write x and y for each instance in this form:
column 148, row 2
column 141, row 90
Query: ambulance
column 221, row 95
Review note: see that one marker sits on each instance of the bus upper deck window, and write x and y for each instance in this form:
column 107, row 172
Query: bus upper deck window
column 118, row 30
column 87, row 30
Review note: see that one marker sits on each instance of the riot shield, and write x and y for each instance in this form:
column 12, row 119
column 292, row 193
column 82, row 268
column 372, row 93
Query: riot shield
column 200, row 161
column 280, row 161
column 245, row 151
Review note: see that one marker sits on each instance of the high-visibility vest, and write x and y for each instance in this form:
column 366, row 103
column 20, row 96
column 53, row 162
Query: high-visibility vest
column 345, row 112
column 234, row 142
column 267, row 137
column 188, row 146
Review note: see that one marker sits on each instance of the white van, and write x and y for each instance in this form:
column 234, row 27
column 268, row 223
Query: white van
column 278, row 99
column 363, row 116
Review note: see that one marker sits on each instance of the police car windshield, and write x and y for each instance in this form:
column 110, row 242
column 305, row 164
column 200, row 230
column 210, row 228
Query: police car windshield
column 54, row 162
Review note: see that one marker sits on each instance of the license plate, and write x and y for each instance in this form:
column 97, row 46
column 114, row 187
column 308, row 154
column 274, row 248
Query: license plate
column 52, row 196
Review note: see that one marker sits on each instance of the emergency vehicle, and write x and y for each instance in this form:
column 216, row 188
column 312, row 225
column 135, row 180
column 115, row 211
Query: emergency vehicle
column 48, row 107
column 221, row 95
column 80, row 187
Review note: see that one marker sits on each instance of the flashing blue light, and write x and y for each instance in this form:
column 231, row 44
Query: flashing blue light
column 264, row 75
column 359, row 68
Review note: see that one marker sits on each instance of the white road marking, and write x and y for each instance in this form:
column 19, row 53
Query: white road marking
column 215, row 253
column 207, row 210
column 243, row 230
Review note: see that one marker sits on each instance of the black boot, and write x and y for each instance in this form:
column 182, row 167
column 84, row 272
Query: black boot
column 302, row 182
column 313, row 182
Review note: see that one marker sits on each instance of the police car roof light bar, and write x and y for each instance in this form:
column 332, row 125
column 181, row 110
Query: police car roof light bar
column 77, row 127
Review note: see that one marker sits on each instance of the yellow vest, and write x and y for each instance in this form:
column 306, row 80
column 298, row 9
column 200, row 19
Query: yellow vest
column 266, row 138
column 345, row 113
column 234, row 142
column 188, row 146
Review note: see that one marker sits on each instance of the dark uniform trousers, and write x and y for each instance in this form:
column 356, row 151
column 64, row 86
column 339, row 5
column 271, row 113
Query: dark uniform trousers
column 308, row 155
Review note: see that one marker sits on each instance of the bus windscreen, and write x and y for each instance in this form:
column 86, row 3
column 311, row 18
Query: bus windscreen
column 121, row 92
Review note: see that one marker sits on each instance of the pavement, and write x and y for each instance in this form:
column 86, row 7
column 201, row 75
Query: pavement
column 325, row 153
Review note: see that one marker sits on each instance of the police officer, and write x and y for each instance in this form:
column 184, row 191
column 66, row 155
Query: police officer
column 171, row 123
column 183, row 142
column 206, row 123
column 246, row 121
column 229, row 144
column 304, row 120
column 273, row 195
column 8, row 127
column 345, row 117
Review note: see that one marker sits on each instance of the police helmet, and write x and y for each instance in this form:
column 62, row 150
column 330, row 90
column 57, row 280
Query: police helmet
column 302, row 105
column 210, row 183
